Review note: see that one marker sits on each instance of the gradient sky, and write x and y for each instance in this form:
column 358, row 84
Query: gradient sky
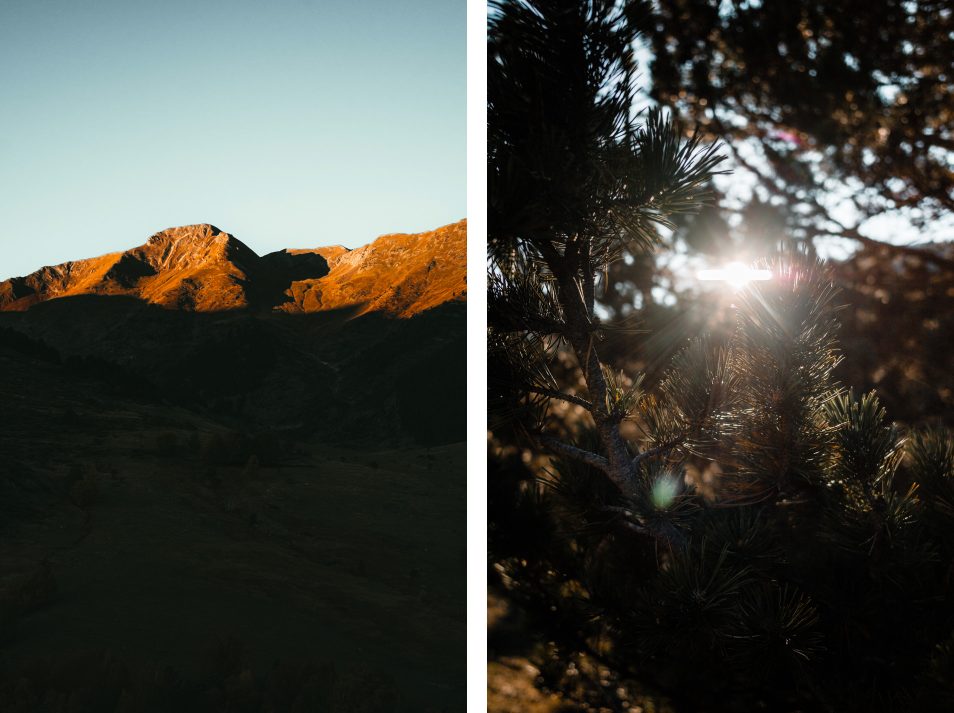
column 289, row 124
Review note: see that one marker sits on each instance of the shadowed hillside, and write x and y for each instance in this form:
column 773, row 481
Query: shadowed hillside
column 218, row 495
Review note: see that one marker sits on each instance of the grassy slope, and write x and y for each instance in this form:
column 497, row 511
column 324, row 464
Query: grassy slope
column 356, row 558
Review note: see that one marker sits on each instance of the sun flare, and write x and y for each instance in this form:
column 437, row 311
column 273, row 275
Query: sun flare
column 736, row 274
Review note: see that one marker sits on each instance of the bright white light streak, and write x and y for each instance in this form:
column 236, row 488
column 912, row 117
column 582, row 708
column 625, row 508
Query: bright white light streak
column 735, row 273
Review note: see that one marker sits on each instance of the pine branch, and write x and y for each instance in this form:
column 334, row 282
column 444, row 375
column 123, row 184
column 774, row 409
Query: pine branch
column 625, row 516
column 504, row 323
column 843, row 231
column 840, row 230
column 607, row 425
column 569, row 398
column 658, row 450
column 584, row 456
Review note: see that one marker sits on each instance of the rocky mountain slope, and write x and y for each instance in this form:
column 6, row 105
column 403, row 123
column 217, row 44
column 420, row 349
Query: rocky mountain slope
column 399, row 274
column 363, row 345
column 199, row 268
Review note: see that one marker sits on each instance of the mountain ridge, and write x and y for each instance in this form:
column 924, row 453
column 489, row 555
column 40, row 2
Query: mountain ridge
column 201, row 268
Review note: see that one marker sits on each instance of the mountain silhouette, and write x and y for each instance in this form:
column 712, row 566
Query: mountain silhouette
column 200, row 268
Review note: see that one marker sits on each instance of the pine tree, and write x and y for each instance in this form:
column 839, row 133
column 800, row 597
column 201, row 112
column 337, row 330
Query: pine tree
column 770, row 540
column 574, row 181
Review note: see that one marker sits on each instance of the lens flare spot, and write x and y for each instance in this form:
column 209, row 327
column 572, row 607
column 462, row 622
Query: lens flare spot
column 664, row 492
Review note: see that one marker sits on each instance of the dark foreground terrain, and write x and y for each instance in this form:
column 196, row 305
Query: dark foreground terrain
column 157, row 557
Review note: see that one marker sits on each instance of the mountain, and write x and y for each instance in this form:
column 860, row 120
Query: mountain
column 364, row 345
column 241, row 476
column 196, row 267
column 399, row 274
column 199, row 268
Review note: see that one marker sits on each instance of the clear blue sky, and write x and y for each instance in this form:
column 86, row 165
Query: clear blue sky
column 295, row 123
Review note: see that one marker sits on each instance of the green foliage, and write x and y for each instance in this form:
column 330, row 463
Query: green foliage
column 690, row 609
column 622, row 396
column 835, row 118
column 779, row 633
column 570, row 169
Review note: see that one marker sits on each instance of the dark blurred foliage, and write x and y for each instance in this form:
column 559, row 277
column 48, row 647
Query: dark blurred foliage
column 897, row 330
column 856, row 93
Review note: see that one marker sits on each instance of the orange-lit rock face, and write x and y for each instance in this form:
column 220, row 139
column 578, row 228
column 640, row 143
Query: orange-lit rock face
column 200, row 268
column 400, row 274
column 197, row 267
